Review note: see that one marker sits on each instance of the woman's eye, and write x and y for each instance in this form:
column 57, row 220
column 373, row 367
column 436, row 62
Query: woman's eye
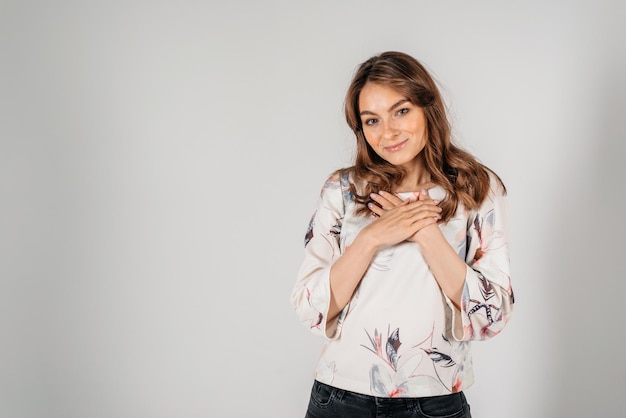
column 402, row 111
column 371, row 121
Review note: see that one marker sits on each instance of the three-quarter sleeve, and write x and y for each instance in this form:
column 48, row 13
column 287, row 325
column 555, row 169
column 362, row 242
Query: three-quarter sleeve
column 487, row 299
column 311, row 294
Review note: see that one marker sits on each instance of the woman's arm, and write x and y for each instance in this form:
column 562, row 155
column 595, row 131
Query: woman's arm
column 478, row 289
column 327, row 278
column 390, row 228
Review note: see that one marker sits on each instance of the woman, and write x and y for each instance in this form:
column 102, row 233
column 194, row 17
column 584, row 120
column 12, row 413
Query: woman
column 406, row 256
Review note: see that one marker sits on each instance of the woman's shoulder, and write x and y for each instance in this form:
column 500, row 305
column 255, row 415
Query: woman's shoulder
column 496, row 185
column 332, row 182
column 338, row 187
column 341, row 178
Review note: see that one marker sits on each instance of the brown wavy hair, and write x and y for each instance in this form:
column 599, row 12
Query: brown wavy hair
column 464, row 178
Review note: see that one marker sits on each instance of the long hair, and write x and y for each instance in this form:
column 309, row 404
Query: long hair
column 463, row 177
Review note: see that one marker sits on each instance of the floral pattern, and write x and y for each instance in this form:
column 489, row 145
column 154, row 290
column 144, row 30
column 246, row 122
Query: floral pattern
column 424, row 346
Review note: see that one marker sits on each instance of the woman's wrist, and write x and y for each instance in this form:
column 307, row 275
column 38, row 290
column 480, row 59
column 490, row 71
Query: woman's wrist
column 427, row 235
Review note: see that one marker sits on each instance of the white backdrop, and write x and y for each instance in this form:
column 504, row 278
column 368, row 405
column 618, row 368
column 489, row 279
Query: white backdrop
column 160, row 160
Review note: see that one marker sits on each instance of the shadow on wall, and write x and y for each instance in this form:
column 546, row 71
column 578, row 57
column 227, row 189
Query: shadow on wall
column 587, row 268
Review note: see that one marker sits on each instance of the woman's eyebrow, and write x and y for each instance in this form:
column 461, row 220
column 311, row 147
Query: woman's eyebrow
column 396, row 104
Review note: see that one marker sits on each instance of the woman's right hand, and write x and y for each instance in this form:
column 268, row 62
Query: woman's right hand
column 397, row 220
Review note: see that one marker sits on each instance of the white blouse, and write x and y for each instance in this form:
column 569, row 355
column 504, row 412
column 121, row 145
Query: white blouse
column 400, row 336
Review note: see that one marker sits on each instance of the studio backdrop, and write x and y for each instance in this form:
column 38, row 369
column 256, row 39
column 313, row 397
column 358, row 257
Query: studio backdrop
column 160, row 161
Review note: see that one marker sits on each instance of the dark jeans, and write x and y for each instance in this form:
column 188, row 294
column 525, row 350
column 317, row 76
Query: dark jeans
column 329, row 402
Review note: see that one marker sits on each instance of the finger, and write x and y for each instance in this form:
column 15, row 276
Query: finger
column 425, row 212
column 386, row 200
column 427, row 221
column 428, row 205
column 382, row 202
column 391, row 198
column 430, row 214
column 424, row 195
column 377, row 210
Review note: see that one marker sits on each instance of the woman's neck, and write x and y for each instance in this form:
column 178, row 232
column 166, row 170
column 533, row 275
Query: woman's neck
column 415, row 180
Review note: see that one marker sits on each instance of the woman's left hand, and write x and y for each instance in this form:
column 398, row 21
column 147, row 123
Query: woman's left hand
column 387, row 201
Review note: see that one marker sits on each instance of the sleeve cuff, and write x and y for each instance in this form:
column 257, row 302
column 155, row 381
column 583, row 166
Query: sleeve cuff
column 460, row 328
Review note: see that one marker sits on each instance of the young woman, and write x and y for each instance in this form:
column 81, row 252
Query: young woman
column 406, row 256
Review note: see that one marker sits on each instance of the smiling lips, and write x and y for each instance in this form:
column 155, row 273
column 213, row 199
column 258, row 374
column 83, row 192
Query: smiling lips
column 396, row 147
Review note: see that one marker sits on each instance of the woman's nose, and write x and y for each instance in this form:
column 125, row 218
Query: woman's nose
column 390, row 130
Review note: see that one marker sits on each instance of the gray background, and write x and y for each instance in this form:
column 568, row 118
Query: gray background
column 159, row 162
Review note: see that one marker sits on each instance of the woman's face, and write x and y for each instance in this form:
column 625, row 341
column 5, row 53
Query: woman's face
column 394, row 127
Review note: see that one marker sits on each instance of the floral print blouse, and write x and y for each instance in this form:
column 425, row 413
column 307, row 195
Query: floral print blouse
column 400, row 336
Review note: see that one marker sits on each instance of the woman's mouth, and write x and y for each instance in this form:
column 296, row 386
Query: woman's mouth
column 396, row 147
